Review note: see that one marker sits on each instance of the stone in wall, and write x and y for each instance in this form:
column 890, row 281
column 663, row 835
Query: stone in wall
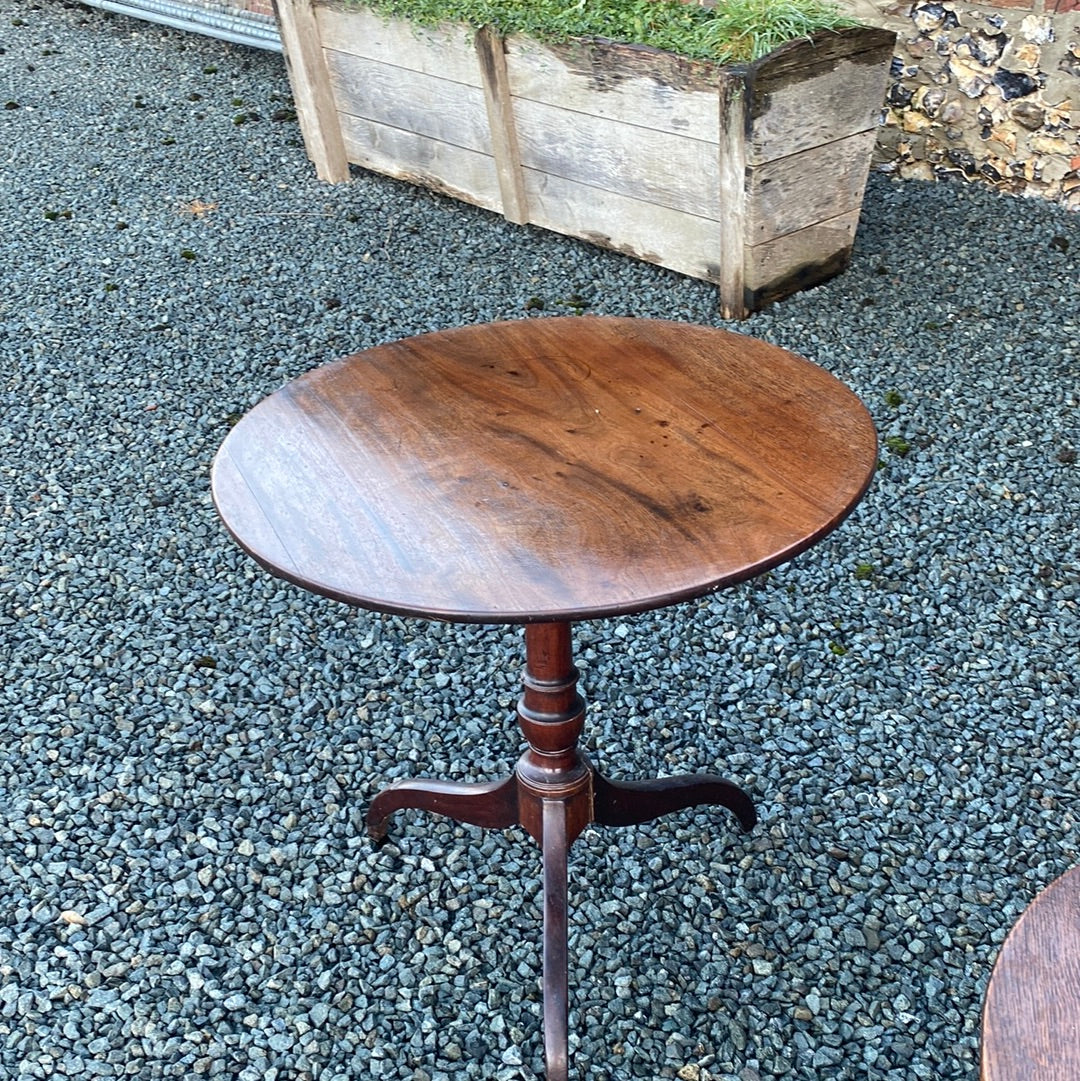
column 991, row 94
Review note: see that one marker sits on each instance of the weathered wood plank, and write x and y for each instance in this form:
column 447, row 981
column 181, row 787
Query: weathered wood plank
column 449, row 111
column 621, row 158
column 445, row 52
column 731, row 106
column 602, row 81
column 807, row 58
column 502, row 127
column 655, row 234
column 451, row 170
column 780, row 266
column 816, row 185
column 838, row 90
column 312, row 93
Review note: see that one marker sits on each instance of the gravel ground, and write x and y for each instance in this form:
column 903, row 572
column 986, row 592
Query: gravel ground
column 187, row 746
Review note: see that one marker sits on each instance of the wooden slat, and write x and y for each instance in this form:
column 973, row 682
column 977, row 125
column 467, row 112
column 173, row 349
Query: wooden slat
column 836, row 89
column 730, row 165
column 621, row 158
column 311, row 89
column 413, row 101
column 503, row 130
column 815, row 185
column 655, row 234
column 604, row 82
column 452, row 170
column 806, row 58
column 446, row 52
column 798, row 260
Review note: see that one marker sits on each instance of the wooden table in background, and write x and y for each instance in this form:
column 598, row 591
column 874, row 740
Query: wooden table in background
column 1031, row 1016
column 542, row 472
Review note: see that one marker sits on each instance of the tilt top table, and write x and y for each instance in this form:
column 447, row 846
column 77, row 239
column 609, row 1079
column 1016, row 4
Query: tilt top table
column 541, row 472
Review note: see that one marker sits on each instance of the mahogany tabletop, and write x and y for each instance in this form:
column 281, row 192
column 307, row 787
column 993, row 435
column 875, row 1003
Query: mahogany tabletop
column 544, row 469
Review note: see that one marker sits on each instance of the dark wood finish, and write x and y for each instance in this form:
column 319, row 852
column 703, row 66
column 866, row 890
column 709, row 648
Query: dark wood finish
column 556, row 965
column 544, row 469
column 1031, row 1017
column 628, row 803
column 542, row 472
column 493, row 805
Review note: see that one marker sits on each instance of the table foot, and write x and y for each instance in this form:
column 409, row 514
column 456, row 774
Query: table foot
column 627, row 803
column 492, row 804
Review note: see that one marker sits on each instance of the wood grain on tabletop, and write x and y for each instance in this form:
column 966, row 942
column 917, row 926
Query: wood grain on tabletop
column 555, row 468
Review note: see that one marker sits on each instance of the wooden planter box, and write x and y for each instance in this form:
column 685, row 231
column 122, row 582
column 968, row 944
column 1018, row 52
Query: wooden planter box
column 749, row 176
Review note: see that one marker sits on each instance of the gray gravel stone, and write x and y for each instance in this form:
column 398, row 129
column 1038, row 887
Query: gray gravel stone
column 187, row 746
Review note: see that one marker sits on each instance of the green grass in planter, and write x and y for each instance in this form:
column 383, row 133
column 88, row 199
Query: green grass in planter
column 732, row 31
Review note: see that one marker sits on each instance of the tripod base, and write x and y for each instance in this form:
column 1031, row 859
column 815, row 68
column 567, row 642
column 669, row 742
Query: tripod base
column 555, row 792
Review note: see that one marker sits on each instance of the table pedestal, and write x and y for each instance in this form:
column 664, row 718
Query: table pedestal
column 555, row 792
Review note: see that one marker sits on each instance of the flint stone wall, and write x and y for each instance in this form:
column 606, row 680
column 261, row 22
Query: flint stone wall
column 990, row 93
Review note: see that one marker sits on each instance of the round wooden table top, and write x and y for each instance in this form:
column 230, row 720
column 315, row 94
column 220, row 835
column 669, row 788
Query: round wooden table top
column 546, row 469
column 1031, row 1017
